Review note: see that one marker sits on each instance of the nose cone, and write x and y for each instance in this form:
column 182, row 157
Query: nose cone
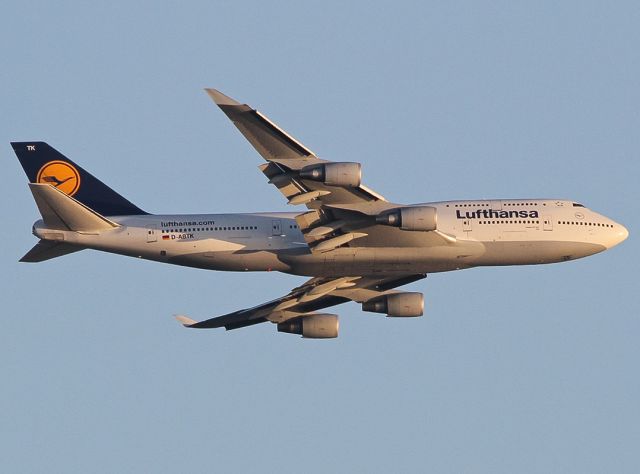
column 619, row 234
column 623, row 233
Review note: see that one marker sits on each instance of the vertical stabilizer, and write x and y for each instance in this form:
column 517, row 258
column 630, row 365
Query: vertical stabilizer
column 45, row 165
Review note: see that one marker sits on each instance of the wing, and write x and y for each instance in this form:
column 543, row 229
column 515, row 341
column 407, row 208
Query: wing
column 338, row 213
column 286, row 157
column 314, row 294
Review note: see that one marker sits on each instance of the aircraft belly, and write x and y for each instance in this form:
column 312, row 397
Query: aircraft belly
column 535, row 252
column 240, row 260
column 349, row 261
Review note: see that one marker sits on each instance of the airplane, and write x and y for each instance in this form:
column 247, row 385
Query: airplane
column 354, row 244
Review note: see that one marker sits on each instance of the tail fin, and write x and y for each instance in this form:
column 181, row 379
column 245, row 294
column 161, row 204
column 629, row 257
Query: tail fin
column 45, row 165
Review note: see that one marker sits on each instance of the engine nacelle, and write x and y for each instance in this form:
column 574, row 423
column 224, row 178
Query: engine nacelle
column 421, row 218
column 314, row 326
column 334, row 174
column 404, row 305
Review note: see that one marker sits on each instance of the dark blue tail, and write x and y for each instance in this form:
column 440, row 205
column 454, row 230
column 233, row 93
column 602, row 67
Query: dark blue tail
column 43, row 164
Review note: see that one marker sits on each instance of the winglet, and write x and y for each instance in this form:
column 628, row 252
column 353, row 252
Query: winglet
column 186, row 322
column 221, row 99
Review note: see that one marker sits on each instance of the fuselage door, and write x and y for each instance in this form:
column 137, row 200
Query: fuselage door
column 466, row 224
column 276, row 227
column 547, row 223
column 152, row 231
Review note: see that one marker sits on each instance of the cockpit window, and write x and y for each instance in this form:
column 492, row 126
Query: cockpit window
column 575, row 204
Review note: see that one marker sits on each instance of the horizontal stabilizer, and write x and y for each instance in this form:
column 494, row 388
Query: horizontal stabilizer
column 62, row 212
column 46, row 250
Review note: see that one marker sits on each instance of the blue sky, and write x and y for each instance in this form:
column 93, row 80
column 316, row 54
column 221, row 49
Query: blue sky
column 524, row 369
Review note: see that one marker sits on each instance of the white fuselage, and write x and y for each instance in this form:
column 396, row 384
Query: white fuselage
column 470, row 233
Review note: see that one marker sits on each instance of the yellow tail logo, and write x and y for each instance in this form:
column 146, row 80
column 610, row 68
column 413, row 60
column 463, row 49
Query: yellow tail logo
column 61, row 175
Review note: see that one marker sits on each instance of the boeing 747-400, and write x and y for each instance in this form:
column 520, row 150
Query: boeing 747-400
column 354, row 244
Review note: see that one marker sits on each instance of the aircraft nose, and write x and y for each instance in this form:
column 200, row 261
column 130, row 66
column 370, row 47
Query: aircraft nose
column 620, row 234
column 623, row 233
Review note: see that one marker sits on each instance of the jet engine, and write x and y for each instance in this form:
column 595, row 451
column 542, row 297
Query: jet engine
column 334, row 174
column 314, row 326
column 420, row 218
column 407, row 304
